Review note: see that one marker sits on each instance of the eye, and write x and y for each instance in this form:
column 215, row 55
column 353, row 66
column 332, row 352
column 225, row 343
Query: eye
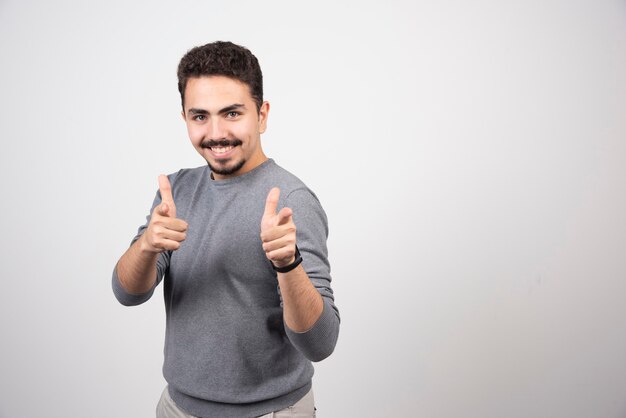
column 232, row 115
column 199, row 118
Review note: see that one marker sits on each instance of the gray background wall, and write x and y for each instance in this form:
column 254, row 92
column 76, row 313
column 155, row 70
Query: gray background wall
column 471, row 157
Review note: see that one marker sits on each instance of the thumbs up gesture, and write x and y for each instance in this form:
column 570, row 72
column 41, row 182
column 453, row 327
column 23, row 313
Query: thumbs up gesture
column 278, row 231
column 165, row 231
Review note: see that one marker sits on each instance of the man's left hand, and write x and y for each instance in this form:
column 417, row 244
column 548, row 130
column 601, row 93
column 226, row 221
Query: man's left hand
column 278, row 231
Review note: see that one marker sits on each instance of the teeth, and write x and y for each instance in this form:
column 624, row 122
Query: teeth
column 221, row 150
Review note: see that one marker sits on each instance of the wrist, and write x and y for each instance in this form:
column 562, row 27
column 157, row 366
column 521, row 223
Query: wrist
column 283, row 263
column 292, row 264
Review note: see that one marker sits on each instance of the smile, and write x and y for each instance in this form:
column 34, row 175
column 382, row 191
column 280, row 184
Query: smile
column 221, row 150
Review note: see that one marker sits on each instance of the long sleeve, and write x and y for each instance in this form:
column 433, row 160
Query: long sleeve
column 163, row 262
column 319, row 341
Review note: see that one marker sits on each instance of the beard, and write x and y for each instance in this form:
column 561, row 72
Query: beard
column 222, row 168
column 226, row 170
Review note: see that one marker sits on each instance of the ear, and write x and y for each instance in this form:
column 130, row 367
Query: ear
column 182, row 113
column 263, row 113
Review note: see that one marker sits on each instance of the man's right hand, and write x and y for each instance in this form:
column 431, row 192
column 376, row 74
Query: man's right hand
column 165, row 232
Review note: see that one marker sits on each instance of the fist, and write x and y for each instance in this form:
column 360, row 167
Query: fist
column 165, row 232
column 278, row 232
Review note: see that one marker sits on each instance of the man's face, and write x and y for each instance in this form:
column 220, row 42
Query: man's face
column 223, row 124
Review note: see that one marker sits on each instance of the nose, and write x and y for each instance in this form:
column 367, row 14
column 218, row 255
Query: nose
column 216, row 129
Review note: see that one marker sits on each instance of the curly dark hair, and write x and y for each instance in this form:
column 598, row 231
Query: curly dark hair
column 222, row 58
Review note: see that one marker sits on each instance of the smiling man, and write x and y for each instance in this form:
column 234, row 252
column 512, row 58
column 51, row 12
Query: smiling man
column 240, row 245
column 210, row 129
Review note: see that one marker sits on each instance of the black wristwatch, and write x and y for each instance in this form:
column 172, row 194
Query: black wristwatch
column 291, row 266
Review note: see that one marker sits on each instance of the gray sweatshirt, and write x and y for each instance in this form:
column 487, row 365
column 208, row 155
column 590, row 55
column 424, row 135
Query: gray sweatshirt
column 227, row 351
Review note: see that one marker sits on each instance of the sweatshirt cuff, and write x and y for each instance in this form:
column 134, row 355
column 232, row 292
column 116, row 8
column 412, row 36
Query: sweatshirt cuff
column 125, row 298
column 318, row 342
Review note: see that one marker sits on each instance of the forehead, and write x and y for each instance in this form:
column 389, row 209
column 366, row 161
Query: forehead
column 209, row 92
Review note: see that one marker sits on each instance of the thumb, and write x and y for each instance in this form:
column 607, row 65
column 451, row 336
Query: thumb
column 271, row 203
column 166, row 195
column 163, row 209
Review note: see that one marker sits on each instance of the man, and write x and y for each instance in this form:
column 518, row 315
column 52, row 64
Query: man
column 240, row 245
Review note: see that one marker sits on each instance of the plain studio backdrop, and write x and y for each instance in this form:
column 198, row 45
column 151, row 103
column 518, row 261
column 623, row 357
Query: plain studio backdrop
column 471, row 157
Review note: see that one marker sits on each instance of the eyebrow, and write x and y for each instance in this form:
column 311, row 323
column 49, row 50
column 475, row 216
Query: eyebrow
column 235, row 106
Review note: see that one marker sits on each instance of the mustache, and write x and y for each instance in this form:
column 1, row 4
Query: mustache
column 210, row 143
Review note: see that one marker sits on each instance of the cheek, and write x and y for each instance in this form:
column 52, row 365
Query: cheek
column 195, row 135
column 244, row 131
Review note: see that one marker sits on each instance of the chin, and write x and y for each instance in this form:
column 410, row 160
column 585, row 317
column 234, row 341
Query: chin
column 226, row 169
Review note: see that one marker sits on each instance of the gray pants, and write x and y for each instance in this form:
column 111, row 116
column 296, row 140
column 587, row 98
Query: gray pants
column 304, row 408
